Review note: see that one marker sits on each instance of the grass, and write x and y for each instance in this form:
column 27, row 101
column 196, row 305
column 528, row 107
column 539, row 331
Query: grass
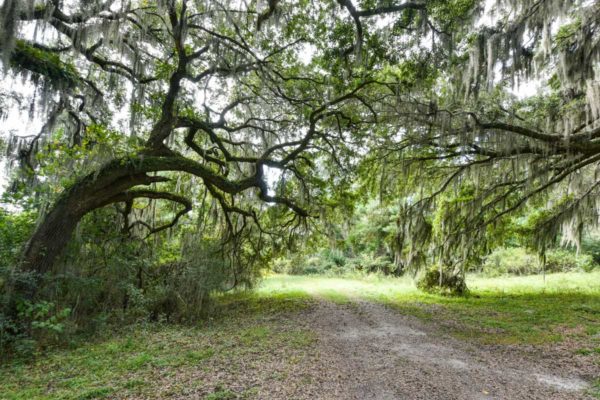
column 527, row 310
column 595, row 390
column 251, row 331
column 158, row 361
column 508, row 310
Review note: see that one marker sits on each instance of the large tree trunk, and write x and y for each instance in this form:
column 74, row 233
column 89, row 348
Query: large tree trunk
column 51, row 236
column 111, row 184
column 89, row 193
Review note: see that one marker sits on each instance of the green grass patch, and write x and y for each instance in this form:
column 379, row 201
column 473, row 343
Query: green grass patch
column 249, row 326
column 137, row 363
column 595, row 389
column 224, row 394
column 506, row 310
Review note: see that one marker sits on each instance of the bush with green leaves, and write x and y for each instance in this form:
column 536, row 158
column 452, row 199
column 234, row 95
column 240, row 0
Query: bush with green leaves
column 335, row 262
column 14, row 231
column 326, row 262
column 443, row 280
column 591, row 245
column 520, row 261
column 295, row 264
column 370, row 263
column 562, row 260
column 182, row 294
column 107, row 279
column 511, row 261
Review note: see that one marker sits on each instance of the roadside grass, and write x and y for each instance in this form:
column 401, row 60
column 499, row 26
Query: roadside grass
column 528, row 310
column 252, row 331
column 506, row 310
column 158, row 360
column 595, row 390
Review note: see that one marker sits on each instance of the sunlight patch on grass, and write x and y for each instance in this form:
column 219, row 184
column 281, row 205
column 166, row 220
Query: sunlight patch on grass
column 580, row 282
column 335, row 287
column 506, row 310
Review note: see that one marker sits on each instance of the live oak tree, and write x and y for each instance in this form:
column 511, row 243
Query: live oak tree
column 473, row 151
column 224, row 92
column 212, row 93
column 237, row 94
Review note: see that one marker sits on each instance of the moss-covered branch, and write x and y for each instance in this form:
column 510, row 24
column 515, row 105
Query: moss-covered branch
column 45, row 63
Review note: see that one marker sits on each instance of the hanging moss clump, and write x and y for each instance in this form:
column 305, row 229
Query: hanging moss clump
column 44, row 63
column 450, row 283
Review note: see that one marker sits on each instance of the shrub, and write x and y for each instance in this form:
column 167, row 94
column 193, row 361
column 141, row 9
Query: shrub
column 183, row 288
column 335, row 262
column 300, row 265
column 511, row 261
column 310, row 266
column 591, row 245
column 451, row 283
column 106, row 280
column 14, row 231
column 282, row 265
column 327, row 262
column 369, row 263
column 519, row 261
column 333, row 259
column 561, row 260
column 46, row 321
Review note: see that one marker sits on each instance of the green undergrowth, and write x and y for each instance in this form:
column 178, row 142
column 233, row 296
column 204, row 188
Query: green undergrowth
column 158, row 360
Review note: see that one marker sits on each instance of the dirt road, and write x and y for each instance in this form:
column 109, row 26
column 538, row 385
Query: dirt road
column 373, row 352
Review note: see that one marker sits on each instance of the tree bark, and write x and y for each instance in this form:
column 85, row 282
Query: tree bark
column 111, row 184
column 51, row 236
column 92, row 191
